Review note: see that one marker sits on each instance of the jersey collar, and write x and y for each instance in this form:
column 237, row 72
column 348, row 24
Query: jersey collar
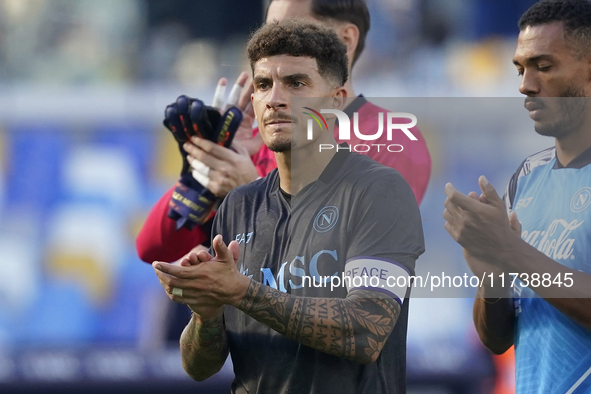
column 335, row 164
column 331, row 170
column 339, row 158
column 355, row 105
column 580, row 161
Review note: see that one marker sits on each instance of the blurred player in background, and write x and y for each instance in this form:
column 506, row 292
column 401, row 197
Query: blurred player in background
column 550, row 192
column 220, row 169
column 292, row 336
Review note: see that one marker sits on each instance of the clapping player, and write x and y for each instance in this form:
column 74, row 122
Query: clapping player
column 221, row 169
column 546, row 240
column 316, row 218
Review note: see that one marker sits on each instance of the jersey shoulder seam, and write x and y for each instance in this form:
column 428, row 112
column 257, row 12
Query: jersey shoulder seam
column 531, row 162
column 537, row 159
column 251, row 188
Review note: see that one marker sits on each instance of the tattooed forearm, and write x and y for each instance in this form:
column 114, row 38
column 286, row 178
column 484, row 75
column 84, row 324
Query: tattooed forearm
column 204, row 347
column 355, row 327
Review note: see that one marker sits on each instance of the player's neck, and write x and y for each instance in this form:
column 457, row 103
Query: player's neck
column 299, row 167
column 572, row 145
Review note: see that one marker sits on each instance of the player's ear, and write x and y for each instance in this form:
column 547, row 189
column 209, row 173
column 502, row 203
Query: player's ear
column 252, row 104
column 339, row 98
column 349, row 34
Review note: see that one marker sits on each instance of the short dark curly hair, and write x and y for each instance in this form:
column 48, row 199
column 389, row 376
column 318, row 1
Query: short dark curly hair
column 298, row 37
column 575, row 16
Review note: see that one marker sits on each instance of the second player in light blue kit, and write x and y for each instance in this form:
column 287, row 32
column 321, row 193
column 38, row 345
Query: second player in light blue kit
column 546, row 240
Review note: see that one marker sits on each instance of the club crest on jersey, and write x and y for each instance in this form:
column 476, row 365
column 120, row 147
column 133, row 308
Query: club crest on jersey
column 581, row 200
column 326, row 219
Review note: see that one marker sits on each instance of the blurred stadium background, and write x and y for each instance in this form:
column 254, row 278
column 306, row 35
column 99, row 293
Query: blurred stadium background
column 83, row 156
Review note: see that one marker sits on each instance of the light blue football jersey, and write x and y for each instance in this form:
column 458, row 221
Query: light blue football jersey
column 553, row 204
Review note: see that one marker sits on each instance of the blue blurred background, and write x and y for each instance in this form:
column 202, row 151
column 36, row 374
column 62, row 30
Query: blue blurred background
column 83, row 157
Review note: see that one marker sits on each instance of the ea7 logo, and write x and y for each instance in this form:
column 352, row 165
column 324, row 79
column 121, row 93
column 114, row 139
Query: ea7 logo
column 244, row 237
column 523, row 202
column 581, row 200
column 393, row 123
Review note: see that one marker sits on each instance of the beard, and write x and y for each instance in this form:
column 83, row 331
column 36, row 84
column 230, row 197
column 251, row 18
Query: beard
column 571, row 106
column 281, row 143
column 280, row 146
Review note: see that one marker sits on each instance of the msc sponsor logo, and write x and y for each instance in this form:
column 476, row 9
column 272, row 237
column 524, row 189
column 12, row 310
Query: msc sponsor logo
column 299, row 270
column 326, row 219
column 581, row 200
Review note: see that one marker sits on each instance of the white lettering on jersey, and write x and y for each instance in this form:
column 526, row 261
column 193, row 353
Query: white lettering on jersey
column 243, row 238
column 383, row 271
column 298, row 268
column 523, row 202
column 557, row 246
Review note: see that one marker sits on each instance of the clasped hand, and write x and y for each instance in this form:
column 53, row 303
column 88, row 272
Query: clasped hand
column 481, row 226
column 206, row 283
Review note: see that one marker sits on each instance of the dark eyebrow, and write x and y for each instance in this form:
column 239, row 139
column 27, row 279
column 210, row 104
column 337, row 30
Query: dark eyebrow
column 534, row 59
column 260, row 79
column 295, row 77
column 257, row 79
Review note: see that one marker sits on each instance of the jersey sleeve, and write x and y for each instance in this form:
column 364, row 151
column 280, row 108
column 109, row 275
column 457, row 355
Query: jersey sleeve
column 537, row 159
column 511, row 190
column 158, row 239
column 219, row 222
column 385, row 236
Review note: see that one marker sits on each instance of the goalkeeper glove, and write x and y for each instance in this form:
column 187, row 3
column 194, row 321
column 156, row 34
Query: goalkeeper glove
column 191, row 203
